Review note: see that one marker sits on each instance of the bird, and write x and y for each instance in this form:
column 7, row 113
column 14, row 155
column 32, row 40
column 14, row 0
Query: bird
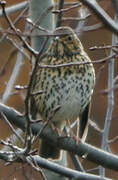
column 67, row 89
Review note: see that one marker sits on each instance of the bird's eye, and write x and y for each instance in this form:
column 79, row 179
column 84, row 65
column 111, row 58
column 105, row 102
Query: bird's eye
column 69, row 38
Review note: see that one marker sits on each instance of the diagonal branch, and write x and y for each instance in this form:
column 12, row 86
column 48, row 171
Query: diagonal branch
column 69, row 144
column 11, row 25
column 101, row 14
column 41, row 162
column 14, row 8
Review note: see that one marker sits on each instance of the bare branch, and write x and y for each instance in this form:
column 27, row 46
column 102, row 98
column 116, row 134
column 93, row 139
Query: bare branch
column 78, row 63
column 106, row 19
column 26, row 45
column 14, row 8
column 12, row 129
column 67, row 9
column 41, row 162
column 69, row 144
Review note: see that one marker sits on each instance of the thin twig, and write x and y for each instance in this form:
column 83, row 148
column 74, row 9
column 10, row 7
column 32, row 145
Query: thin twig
column 26, row 45
column 38, row 21
column 18, row 47
column 31, row 161
column 78, row 63
column 34, row 25
column 9, row 144
column 104, row 47
column 67, row 9
column 113, row 140
column 59, row 17
column 14, row 8
column 74, row 18
column 106, row 19
column 107, row 91
column 15, row 22
column 93, row 169
column 93, row 27
column 47, row 123
column 11, row 128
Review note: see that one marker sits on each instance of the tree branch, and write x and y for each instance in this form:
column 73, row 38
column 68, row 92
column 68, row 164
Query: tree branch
column 106, row 19
column 67, row 143
column 9, row 156
column 14, row 8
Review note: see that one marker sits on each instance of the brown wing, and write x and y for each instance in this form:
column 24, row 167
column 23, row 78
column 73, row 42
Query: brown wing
column 84, row 122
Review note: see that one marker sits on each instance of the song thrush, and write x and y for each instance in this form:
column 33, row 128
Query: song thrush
column 68, row 87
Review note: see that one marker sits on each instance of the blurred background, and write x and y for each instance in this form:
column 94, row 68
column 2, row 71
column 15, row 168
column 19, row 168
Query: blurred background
column 96, row 37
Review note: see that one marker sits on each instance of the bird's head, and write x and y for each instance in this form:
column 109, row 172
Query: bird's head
column 65, row 42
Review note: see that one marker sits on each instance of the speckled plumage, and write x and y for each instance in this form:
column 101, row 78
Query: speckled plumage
column 69, row 88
